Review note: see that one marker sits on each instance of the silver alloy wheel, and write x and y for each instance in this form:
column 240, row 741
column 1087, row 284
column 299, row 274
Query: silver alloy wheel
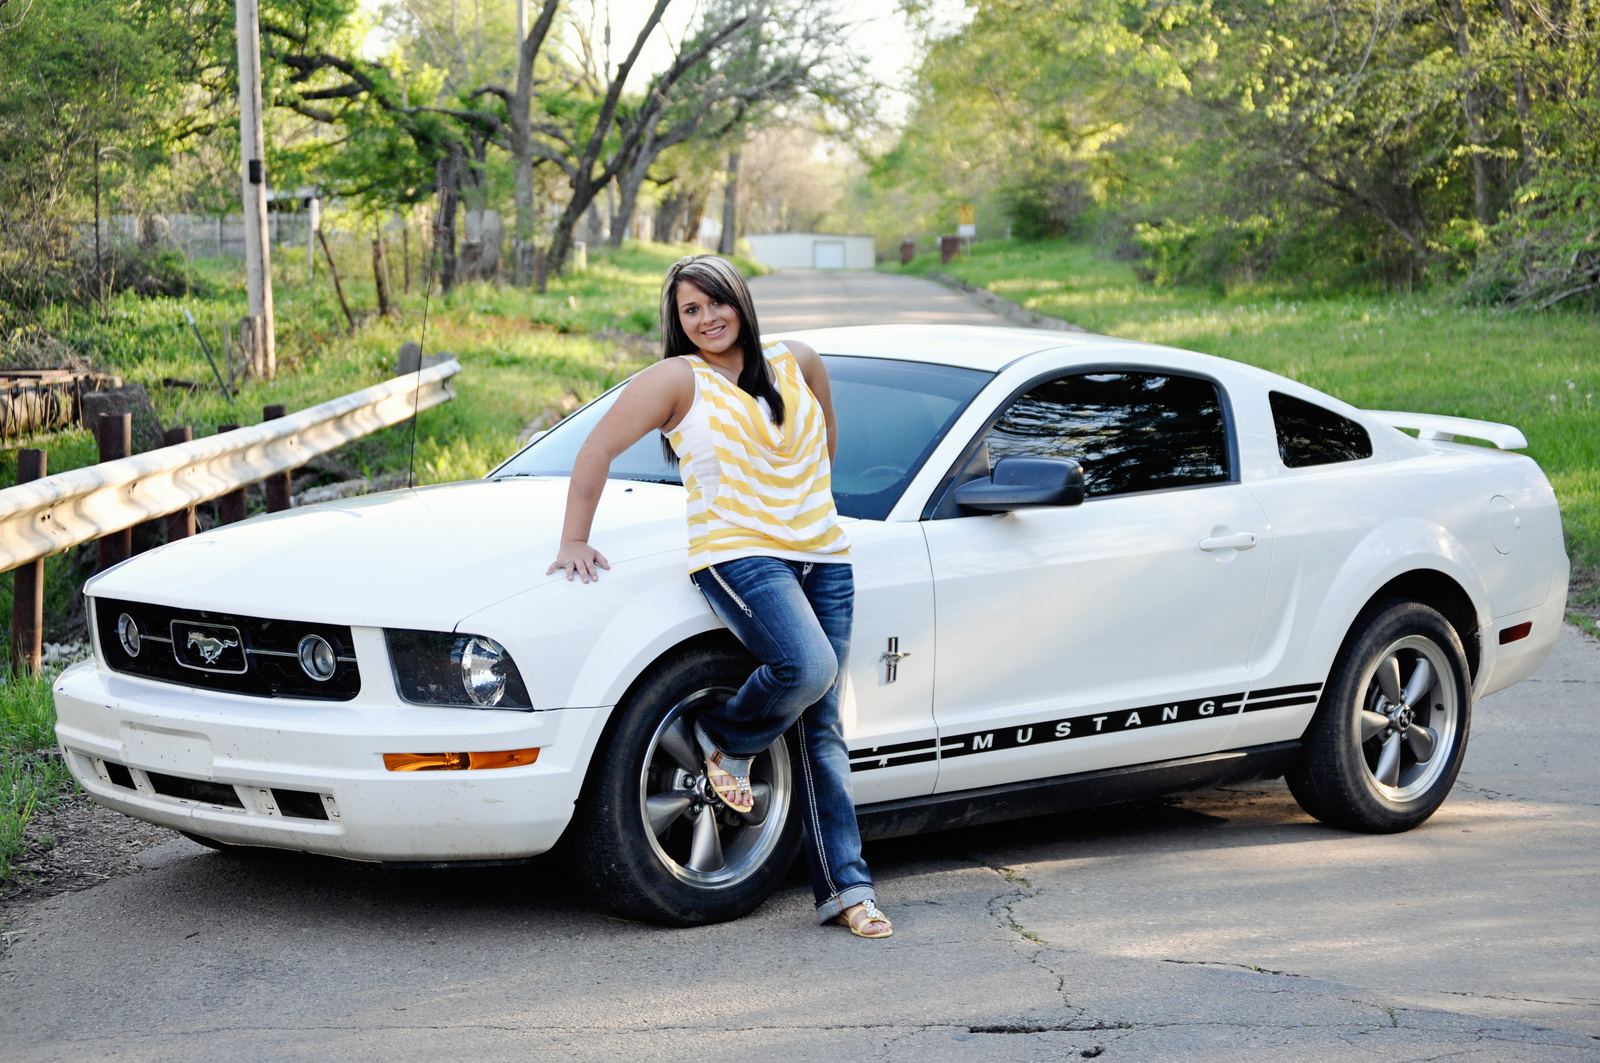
column 700, row 840
column 1409, row 712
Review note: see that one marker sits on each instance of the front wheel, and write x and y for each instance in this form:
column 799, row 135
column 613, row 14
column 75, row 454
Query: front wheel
column 652, row 839
column 1388, row 739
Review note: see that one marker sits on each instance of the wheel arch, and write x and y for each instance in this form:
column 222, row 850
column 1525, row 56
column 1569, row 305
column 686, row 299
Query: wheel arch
column 1440, row 592
column 1406, row 558
column 719, row 639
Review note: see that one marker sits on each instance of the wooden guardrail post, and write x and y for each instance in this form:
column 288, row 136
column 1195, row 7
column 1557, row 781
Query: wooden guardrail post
column 231, row 507
column 180, row 525
column 27, row 594
column 116, row 441
column 276, row 485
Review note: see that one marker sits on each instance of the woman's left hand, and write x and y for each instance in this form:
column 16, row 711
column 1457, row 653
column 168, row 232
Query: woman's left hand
column 579, row 559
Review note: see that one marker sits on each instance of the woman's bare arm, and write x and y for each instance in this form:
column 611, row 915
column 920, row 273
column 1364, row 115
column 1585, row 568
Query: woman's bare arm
column 655, row 400
column 816, row 377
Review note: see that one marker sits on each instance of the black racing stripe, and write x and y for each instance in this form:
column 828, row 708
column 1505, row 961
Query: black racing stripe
column 1103, row 723
column 890, row 750
column 1304, row 688
column 893, row 762
column 1281, row 703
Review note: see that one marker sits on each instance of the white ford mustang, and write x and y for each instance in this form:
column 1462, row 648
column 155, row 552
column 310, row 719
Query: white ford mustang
column 1087, row 571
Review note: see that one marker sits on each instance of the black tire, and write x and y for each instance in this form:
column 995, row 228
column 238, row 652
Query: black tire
column 1357, row 773
column 658, row 878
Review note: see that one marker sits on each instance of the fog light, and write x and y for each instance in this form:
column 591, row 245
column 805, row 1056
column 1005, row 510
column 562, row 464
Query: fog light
column 501, row 758
column 317, row 658
column 128, row 635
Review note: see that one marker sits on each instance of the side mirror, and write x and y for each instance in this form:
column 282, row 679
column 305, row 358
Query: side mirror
column 1017, row 482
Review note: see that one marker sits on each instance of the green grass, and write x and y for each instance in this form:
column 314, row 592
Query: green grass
column 32, row 776
column 1540, row 372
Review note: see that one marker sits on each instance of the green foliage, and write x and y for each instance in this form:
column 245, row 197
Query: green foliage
column 1352, row 142
column 1547, row 250
column 87, row 87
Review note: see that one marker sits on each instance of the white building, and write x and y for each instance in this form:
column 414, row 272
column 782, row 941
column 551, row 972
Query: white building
column 813, row 250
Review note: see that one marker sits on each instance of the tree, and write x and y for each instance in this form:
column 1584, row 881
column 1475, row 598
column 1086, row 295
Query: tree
column 789, row 55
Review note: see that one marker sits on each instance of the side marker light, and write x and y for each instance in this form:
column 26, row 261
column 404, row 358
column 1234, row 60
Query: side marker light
column 502, row 758
column 1512, row 634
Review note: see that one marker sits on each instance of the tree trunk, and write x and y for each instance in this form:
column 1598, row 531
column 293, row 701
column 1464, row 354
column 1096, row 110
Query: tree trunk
column 664, row 229
column 730, row 207
column 1529, row 160
column 693, row 210
column 1482, row 208
column 444, row 241
column 521, row 138
column 583, row 193
column 628, row 183
column 380, row 276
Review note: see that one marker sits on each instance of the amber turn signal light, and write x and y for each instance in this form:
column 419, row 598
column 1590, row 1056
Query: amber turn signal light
column 501, row 758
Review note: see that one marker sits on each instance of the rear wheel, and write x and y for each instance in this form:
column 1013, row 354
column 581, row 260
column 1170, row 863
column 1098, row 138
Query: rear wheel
column 1387, row 742
column 651, row 838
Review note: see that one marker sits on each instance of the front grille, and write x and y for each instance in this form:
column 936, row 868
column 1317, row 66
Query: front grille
column 222, row 651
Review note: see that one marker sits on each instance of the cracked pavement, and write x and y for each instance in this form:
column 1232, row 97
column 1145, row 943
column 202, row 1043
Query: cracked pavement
column 1222, row 925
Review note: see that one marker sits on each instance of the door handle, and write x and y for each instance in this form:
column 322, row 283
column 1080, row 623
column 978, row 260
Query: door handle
column 1236, row 541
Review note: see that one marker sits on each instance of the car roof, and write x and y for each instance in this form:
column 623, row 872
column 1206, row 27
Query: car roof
column 967, row 346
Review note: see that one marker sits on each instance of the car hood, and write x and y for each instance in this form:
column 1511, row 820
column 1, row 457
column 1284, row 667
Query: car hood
column 422, row 558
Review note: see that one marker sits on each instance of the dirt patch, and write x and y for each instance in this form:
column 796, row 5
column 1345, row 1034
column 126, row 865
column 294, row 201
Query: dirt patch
column 77, row 845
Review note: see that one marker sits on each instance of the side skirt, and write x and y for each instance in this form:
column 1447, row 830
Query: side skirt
column 1066, row 793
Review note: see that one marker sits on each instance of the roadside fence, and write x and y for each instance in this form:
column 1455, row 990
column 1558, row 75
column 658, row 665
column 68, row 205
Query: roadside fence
column 44, row 514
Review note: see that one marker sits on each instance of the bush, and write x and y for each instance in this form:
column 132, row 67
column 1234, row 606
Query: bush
column 1547, row 248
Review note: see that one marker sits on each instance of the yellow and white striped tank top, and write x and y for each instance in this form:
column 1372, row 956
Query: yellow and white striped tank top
column 757, row 489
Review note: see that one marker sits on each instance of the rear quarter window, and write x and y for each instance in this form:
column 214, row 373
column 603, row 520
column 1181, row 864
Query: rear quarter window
column 1308, row 434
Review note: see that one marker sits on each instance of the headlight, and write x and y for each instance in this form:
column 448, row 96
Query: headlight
column 444, row 668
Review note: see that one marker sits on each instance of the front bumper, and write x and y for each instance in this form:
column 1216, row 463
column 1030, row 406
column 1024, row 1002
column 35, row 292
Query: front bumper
column 310, row 775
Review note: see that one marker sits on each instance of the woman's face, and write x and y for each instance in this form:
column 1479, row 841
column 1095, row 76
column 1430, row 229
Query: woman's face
column 710, row 325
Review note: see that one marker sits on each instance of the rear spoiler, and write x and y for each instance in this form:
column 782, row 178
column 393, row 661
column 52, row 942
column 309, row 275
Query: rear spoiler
column 1445, row 429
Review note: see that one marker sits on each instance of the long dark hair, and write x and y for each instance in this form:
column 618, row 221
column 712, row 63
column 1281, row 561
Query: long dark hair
column 718, row 278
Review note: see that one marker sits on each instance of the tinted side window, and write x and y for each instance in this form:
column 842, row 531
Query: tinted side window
column 1311, row 435
column 1129, row 431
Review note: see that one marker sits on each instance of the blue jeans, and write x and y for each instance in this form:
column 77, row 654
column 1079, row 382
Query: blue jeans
column 795, row 618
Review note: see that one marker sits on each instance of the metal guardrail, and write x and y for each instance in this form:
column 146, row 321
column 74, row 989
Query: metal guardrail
column 53, row 513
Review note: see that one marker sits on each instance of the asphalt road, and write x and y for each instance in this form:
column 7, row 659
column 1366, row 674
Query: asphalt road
column 811, row 298
column 1223, row 925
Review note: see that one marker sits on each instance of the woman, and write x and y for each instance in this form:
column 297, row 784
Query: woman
column 754, row 434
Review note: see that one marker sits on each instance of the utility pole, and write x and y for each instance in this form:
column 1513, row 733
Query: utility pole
column 252, row 145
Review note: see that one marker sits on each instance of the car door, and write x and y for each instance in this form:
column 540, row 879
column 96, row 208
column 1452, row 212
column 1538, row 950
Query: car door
column 887, row 704
column 1110, row 633
column 891, row 415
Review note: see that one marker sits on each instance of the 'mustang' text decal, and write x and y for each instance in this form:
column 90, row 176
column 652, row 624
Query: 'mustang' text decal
column 1098, row 723
column 1087, row 726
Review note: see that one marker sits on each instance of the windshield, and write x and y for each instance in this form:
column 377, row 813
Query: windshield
column 890, row 413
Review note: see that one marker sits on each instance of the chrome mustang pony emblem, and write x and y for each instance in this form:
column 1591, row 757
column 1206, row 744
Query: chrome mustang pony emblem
column 210, row 648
